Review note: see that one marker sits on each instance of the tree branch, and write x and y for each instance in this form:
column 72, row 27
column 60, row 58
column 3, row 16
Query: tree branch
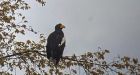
column 21, row 53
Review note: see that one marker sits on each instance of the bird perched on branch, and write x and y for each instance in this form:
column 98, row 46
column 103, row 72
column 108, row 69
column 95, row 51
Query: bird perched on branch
column 56, row 44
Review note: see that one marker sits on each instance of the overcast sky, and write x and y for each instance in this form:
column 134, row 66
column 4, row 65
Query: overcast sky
column 109, row 24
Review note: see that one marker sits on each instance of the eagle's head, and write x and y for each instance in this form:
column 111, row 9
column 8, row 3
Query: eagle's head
column 59, row 26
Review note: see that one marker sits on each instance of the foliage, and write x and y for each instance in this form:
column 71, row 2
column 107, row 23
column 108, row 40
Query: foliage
column 30, row 56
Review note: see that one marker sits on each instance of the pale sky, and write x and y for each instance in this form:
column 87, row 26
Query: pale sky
column 109, row 24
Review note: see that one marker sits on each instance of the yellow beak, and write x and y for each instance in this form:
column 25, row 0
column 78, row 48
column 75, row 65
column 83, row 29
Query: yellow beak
column 62, row 26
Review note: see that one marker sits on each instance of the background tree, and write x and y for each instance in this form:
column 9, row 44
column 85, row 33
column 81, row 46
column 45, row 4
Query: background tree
column 30, row 56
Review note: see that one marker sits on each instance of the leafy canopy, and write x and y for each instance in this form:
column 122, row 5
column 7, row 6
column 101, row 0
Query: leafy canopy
column 30, row 56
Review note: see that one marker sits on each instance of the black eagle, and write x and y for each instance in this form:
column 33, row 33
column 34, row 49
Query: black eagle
column 56, row 44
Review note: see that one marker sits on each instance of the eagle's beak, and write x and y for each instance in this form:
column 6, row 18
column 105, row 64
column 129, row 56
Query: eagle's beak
column 62, row 26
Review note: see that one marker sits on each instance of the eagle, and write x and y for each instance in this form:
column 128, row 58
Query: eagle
column 56, row 44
